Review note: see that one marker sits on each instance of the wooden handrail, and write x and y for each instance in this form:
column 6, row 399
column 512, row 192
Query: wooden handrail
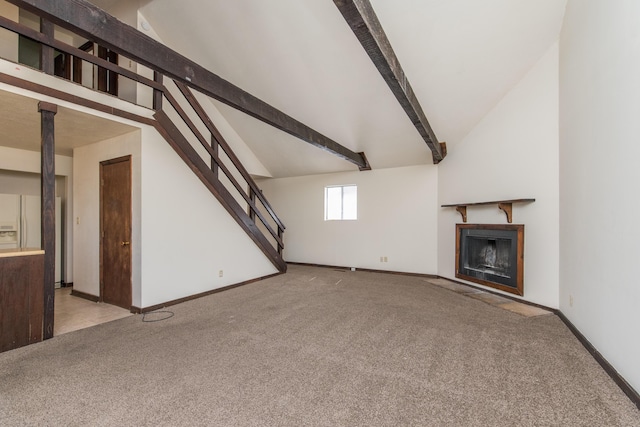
column 197, row 107
column 183, row 115
column 251, row 195
column 89, row 21
column 73, row 51
column 183, row 148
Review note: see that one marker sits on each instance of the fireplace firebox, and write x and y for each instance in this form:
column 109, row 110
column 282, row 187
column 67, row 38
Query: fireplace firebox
column 492, row 255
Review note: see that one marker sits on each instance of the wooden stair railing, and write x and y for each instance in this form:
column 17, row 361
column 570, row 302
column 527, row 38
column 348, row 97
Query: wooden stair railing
column 208, row 174
column 254, row 211
column 254, row 191
column 183, row 148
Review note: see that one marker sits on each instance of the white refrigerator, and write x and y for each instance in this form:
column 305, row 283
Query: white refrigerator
column 20, row 225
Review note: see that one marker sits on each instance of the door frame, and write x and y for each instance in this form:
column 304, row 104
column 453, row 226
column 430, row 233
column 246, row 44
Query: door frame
column 104, row 163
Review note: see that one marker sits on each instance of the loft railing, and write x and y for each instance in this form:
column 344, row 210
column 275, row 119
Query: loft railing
column 182, row 120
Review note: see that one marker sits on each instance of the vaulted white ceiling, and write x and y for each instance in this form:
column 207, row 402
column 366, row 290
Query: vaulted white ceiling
column 461, row 57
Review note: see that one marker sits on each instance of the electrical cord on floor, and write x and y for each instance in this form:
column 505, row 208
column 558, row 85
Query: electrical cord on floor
column 165, row 315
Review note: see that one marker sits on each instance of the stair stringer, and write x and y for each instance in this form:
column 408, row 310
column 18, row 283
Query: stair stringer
column 183, row 148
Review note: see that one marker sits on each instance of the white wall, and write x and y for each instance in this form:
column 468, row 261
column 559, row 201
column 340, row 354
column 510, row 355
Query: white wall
column 28, row 183
column 187, row 236
column 181, row 236
column 86, row 210
column 511, row 154
column 599, row 176
column 29, row 161
column 397, row 218
column 248, row 159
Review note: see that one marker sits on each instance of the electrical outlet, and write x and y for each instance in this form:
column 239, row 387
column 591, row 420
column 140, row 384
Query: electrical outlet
column 385, row 259
column 220, row 273
column 381, row 259
column 570, row 300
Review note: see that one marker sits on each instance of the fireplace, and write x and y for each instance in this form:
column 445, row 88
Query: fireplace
column 492, row 255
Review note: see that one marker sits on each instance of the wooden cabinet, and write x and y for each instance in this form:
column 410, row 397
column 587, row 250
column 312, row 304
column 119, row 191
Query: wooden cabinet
column 21, row 298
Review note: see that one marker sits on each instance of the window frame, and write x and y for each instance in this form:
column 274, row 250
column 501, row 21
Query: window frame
column 342, row 202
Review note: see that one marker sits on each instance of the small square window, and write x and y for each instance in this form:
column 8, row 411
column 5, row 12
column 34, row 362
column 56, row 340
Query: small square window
column 341, row 202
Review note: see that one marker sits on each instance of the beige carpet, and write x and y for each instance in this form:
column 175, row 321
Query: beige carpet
column 316, row 347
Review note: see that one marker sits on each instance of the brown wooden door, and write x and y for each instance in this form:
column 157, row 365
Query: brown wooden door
column 115, row 225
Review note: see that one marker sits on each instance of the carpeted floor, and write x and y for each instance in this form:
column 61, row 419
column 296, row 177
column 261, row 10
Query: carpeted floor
column 316, row 347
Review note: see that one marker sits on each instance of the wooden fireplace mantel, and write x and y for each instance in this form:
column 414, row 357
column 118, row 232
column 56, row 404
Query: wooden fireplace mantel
column 504, row 205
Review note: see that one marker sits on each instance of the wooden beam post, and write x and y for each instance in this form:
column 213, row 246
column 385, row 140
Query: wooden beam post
column 47, row 53
column 281, row 236
column 157, row 93
column 363, row 21
column 215, row 146
column 48, row 205
column 93, row 23
column 252, row 196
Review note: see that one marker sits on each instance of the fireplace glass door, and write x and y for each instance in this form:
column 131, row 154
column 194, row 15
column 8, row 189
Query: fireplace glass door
column 491, row 255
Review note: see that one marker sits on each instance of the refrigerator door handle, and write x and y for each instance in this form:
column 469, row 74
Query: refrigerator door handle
column 23, row 222
column 23, row 239
column 20, row 228
column 24, row 226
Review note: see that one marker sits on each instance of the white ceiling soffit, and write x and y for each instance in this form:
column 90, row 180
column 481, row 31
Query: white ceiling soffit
column 20, row 119
column 461, row 57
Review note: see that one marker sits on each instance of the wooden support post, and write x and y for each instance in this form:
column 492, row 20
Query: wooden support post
column 280, row 235
column 252, row 196
column 157, row 94
column 47, row 53
column 216, row 149
column 48, row 205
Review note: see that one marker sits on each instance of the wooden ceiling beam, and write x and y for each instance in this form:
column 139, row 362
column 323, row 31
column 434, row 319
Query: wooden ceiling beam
column 93, row 23
column 363, row 21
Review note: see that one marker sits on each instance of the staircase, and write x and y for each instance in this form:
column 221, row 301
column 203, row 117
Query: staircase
column 182, row 121
column 258, row 220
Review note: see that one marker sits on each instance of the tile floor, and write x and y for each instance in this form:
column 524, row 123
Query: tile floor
column 492, row 299
column 73, row 313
